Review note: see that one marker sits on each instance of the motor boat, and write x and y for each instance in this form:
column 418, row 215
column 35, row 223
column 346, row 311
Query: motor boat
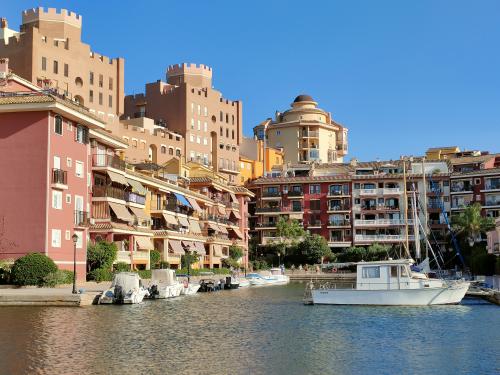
column 389, row 282
column 256, row 279
column 126, row 288
column 277, row 276
column 188, row 288
column 231, row 282
column 164, row 284
column 243, row 283
column 209, row 285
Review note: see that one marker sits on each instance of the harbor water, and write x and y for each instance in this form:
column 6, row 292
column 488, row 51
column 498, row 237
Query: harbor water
column 264, row 330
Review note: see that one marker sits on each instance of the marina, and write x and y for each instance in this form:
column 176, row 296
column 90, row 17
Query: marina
column 194, row 335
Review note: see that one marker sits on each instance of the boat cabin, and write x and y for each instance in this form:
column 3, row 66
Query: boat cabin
column 383, row 275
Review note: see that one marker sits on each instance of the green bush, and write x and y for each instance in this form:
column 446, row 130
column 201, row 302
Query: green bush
column 121, row 267
column 100, row 274
column 5, row 270
column 101, row 255
column 58, row 278
column 163, row 264
column 259, row 265
column 235, row 252
column 32, row 268
column 154, row 258
column 144, row 274
column 196, row 272
column 230, row 262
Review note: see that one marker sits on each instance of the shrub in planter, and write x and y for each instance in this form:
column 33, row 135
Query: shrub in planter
column 58, row 278
column 122, row 267
column 164, row 265
column 32, row 268
column 100, row 274
column 144, row 274
column 154, row 258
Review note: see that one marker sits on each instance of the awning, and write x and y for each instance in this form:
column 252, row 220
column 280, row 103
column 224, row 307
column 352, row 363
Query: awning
column 176, row 247
column 236, row 214
column 238, row 232
column 296, row 216
column 233, row 197
column 137, row 187
column 116, row 177
column 200, row 248
column 194, row 226
column 194, row 204
column 218, row 251
column 222, row 229
column 181, row 198
column 183, row 221
column 140, row 213
column 188, row 246
column 144, row 243
column 121, row 211
column 214, row 227
column 170, row 219
column 222, row 210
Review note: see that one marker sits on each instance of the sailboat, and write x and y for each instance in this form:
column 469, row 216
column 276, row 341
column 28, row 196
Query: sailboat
column 392, row 282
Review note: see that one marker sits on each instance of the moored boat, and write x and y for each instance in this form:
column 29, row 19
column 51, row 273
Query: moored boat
column 164, row 284
column 126, row 288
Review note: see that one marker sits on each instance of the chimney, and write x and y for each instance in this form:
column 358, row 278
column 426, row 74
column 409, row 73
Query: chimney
column 4, row 67
column 3, row 23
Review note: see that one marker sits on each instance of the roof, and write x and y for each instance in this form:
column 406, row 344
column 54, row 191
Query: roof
column 472, row 159
column 303, row 98
column 476, row 173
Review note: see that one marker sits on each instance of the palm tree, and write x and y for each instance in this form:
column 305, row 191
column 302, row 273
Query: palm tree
column 471, row 224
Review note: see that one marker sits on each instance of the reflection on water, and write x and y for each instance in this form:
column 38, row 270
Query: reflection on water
column 250, row 331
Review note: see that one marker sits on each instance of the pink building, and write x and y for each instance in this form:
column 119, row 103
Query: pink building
column 44, row 158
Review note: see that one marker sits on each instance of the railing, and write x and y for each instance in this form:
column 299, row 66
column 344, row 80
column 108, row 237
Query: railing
column 59, row 176
column 377, row 222
column 368, row 191
column 392, row 190
column 333, row 192
column 311, row 133
column 461, row 204
column 460, row 189
column 267, row 209
column 434, row 205
column 295, row 193
column 436, row 222
column 343, row 207
column 271, row 193
column 339, row 223
column 314, row 223
column 105, row 160
column 492, row 185
column 266, row 225
column 493, row 202
column 81, row 218
column 108, row 192
column 339, row 239
column 381, row 237
column 135, row 198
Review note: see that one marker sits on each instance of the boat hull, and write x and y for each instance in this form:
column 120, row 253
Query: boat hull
column 396, row 297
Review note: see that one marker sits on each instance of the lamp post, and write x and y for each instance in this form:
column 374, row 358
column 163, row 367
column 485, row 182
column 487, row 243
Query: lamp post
column 188, row 260
column 74, row 237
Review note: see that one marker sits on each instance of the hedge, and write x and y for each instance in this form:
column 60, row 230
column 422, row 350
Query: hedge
column 32, row 269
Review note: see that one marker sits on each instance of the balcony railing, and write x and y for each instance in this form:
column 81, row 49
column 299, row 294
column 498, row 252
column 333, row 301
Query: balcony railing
column 266, row 225
column 381, row 237
column 311, row 134
column 59, row 176
column 108, row 192
column 104, row 160
column 295, row 193
column 461, row 188
column 339, row 223
column 135, row 198
column 368, row 191
column 342, row 207
column 267, row 209
column 377, row 222
column 392, row 190
column 315, row 223
column 492, row 185
column 81, row 218
column 494, row 201
column 271, row 193
column 436, row 222
column 340, row 239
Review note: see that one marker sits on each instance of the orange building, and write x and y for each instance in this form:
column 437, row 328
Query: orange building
column 254, row 160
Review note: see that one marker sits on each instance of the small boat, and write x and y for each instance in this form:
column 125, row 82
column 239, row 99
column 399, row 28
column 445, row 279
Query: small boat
column 256, row 279
column 209, row 285
column 479, row 289
column 231, row 282
column 389, row 282
column 164, row 284
column 244, row 283
column 188, row 288
column 126, row 288
column 277, row 276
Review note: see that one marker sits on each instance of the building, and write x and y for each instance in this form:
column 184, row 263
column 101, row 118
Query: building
column 255, row 160
column 493, row 239
column 305, row 133
column 442, row 153
column 48, row 52
column 187, row 104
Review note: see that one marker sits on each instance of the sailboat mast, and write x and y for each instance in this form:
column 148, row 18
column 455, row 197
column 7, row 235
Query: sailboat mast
column 426, row 227
column 407, row 242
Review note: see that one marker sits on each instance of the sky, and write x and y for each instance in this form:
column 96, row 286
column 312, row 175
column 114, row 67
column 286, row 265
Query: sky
column 402, row 76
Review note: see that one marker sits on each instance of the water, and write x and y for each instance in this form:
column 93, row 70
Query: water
column 250, row 331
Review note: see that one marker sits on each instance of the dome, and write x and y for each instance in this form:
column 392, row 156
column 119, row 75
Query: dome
column 303, row 98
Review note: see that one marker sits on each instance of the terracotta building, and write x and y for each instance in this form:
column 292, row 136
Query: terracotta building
column 186, row 104
column 305, row 133
column 255, row 160
column 48, row 51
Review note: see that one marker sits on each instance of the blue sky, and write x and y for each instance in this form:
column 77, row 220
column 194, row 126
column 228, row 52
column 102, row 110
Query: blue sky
column 401, row 75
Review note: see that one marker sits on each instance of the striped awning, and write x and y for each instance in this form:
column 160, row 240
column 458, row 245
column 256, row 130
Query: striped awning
column 214, row 227
column 183, row 221
column 176, row 247
column 194, row 226
column 182, row 199
column 237, row 232
column 140, row 213
column 223, row 229
column 170, row 219
column 218, row 251
column 121, row 211
column 137, row 187
column 194, row 204
column 188, row 246
column 233, row 197
column 200, row 248
column 144, row 243
column 118, row 178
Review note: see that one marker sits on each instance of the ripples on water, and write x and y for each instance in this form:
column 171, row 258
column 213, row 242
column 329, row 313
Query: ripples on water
column 250, row 331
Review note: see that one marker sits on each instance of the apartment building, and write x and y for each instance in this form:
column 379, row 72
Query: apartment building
column 255, row 160
column 305, row 133
column 48, row 51
column 187, row 104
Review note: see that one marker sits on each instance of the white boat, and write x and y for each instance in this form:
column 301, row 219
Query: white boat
column 256, row 279
column 126, row 288
column 389, row 282
column 243, row 283
column 188, row 288
column 164, row 284
column 277, row 277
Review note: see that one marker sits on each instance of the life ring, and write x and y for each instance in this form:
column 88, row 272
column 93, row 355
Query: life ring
column 186, row 284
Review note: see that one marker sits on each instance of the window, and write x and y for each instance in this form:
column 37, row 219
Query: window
column 82, row 134
column 205, row 126
column 205, row 111
column 44, row 63
column 192, row 107
column 227, row 118
column 101, row 80
column 68, row 198
column 232, row 119
column 58, row 126
column 315, row 205
column 192, row 123
column 56, row 66
column 57, row 199
column 199, row 125
column 91, row 78
column 232, row 134
column 394, row 271
column 177, row 152
column 79, row 169
column 278, row 132
column 67, row 235
column 296, row 206
column 314, row 189
column 69, row 162
column 110, row 83
column 191, row 137
column 227, row 133
column 170, row 151
column 371, row 272
column 66, row 70
column 79, row 240
column 221, row 132
column 198, row 140
column 100, row 98
column 163, row 149
column 192, row 155
column 199, row 110
column 91, row 96
column 110, row 101
column 205, row 141
column 221, row 116
column 134, row 142
column 56, row 238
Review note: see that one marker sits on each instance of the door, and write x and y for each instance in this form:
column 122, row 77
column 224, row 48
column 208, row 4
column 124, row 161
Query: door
column 101, row 156
column 79, row 214
column 57, row 162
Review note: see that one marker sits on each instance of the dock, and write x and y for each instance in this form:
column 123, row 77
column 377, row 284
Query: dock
column 45, row 297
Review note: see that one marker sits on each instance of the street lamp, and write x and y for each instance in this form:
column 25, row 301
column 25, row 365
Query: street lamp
column 188, row 260
column 279, row 259
column 74, row 237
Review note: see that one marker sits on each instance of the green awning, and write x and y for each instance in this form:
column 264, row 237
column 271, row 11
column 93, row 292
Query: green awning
column 137, row 187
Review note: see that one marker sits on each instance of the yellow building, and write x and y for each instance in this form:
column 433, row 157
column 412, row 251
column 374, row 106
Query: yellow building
column 439, row 153
column 253, row 158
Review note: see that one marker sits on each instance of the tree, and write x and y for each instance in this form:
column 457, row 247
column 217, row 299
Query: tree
column 377, row 252
column 469, row 224
column 235, row 252
column 314, row 248
column 154, row 258
column 288, row 231
column 189, row 259
column 101, row 255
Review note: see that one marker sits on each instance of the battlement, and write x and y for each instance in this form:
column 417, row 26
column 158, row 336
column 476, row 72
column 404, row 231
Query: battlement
column 180, row 69
column 51, row 14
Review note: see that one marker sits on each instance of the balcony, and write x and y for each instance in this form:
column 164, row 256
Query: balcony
column 339, row 241
column 135, row 198
column 336, row 193
column 492, row 201
column 104, row 161
column 81, row 219
column 127, row 256
column 434, row 205
column 295, row 193
column 265, row 225
column 492, row 185
column 310, row 134
column 339, row 223
column 267, row 209
column 271, row 194
column 59, row 179
column 436, row 222
column 108, row 192
column 461, row 187
column 368, row 191
column 380, row 222
column 380, row 238
column 342, row 207
column 390, row 191
column 314, row 224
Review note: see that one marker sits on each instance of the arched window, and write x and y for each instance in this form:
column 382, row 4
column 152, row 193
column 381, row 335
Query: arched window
column 170, row 151
column 163, row 149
